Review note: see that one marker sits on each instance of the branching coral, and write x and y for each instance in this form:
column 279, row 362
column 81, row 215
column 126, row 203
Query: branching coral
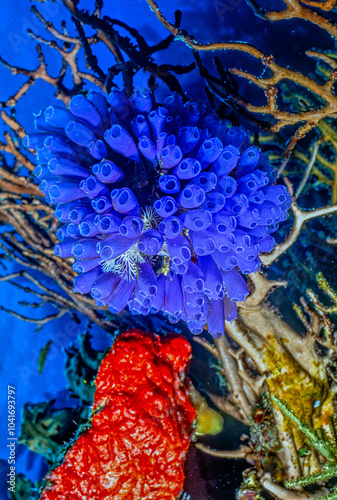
column 321, row 441
column 120, row 48
column 319, row 315
column 324, row 285
column 321, row 165
column 260, row 350
column 323, row 91
column 300, row 10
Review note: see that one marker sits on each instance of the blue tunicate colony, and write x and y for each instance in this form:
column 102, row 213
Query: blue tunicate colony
column 162, row 206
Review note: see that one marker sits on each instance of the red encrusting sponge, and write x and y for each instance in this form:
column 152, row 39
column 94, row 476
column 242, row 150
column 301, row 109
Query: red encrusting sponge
column 141, row 425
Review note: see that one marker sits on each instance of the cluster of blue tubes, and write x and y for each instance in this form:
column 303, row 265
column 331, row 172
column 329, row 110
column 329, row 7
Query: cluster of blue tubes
column 215, row 204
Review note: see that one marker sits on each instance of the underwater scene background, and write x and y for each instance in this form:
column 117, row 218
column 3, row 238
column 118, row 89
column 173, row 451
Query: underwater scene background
column 180, row 177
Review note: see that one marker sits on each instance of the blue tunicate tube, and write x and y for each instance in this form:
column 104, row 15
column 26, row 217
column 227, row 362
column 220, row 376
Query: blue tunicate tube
column 166, row 206
column 83, row 283
column 121, row 141
column 123, row 200
column 151, row 242
column 171, row 227
column 80, row 134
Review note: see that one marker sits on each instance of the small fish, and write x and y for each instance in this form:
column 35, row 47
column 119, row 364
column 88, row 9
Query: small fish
column 43, row 355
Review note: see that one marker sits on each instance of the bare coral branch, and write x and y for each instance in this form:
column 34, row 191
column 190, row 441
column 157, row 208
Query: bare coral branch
column 306, row 120
column 301, row 216
column 241, row 452
column 138, row 59
column 39, row 73
column 307, row 171
column 230, row 367
column 296, row 10
column 15, row 126
column 284, row 494
column 262, row 287
column 207, row 345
